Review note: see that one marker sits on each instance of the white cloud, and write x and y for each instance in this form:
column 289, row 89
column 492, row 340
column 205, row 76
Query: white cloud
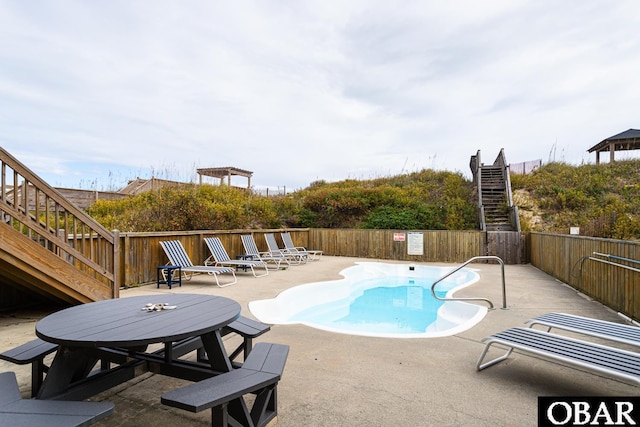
column 303, row 90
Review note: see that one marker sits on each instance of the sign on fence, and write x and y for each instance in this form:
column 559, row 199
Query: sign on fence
column 415, row 244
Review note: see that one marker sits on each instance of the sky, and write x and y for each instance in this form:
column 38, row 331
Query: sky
column 96, row 93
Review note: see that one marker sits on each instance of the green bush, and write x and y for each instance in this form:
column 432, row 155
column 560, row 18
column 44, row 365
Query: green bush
column 586, row 196
column 562, row 195
column 388, row 217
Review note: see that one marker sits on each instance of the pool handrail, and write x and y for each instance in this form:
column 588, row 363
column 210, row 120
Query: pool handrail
column 470, row 260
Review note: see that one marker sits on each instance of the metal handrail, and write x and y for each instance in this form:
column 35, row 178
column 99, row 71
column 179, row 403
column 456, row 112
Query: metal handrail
column 615, row 264
column 470, row 260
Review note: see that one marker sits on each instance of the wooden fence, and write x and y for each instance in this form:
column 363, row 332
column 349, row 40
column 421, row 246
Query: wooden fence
column 141, row 252
column 85, row 198
column 439, row 246
column 607, row 278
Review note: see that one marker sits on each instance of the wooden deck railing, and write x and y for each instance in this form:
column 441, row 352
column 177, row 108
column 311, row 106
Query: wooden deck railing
column 568, row 258
column 38, row 211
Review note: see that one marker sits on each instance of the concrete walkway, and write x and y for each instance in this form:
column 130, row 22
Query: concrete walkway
column 341, row 380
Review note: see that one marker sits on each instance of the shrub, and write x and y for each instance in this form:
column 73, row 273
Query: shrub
column 586, row 196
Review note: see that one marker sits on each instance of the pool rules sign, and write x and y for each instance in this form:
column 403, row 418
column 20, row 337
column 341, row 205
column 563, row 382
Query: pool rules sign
column 415, row 243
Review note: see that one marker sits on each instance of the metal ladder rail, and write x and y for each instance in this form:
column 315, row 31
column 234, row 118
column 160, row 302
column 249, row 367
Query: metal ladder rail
column 470, row 260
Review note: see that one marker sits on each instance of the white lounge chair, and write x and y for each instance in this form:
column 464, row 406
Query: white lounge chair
column 594, row 357
column 178, row 256
column 311, row 255
column 274, row 250
column 220, row 258
column 617, row 332
column 251, row 249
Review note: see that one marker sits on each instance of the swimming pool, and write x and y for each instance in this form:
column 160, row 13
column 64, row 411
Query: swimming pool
column 377, row 299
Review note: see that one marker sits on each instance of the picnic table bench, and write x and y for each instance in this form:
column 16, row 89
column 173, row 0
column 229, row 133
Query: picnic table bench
column 32, row 352
column 247, row 328
column 37, row 349
column 223, row 394
column 102, row 331
column 120, row 330
column 16, row 411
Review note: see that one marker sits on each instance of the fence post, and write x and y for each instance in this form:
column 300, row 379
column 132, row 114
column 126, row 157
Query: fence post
column 116, row 264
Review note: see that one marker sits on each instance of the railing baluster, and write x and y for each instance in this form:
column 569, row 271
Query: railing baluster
column 71, row 234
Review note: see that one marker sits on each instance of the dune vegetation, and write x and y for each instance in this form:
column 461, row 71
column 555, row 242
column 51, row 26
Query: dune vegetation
column 421, row 200
column 602, row 200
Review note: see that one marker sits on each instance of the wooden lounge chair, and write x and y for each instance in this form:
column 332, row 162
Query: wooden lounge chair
column 588, row 326
column 608, row 361
column 220, row 258
column 275, row 250
column 251, row 249
column 310, row 255
column 178, row 256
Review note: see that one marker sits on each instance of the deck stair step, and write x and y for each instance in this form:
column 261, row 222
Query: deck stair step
column 494, row 198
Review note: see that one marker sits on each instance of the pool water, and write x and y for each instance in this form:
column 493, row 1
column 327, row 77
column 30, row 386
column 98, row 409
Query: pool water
column 377, row 299
column 400, row 305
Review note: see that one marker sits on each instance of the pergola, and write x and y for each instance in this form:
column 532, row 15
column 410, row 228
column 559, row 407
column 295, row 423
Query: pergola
column 627, row 140
column 223, row 172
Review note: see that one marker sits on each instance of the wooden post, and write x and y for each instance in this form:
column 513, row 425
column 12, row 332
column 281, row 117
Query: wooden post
column 612, row 150
column 116, row 264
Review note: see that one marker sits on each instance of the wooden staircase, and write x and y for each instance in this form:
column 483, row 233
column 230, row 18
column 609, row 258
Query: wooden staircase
column 494, row 199
column 49, row 248
column 496, row 209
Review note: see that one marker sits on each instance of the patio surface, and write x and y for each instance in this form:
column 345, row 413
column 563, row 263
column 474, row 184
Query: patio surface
column 342, row 380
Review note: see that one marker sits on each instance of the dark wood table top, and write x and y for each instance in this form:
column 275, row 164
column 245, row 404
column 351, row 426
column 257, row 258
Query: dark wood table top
column 123, row 323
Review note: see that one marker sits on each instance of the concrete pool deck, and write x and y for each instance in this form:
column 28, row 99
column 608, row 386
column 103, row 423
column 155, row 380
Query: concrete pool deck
column 342, row 380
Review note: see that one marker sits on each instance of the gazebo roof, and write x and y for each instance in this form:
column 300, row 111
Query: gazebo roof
column 627, row 140
column 227, row 171
column 224, row 171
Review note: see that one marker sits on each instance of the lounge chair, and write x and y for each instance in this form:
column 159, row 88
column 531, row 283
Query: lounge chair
column 289, row 247
column 617, row 332
column 274, row 250
column 251, row 249
column 597, row 358
column 220, row 258
column 178, row 256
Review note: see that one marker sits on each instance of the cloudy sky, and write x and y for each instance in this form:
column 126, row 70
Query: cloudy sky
column 94, row 93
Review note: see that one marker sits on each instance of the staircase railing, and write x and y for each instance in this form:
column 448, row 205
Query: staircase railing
column 513, row 209
column 32, row 207
column 455, row 270
column 476, row 170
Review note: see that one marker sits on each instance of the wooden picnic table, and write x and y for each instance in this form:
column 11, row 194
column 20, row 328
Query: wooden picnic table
column 119, row 332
